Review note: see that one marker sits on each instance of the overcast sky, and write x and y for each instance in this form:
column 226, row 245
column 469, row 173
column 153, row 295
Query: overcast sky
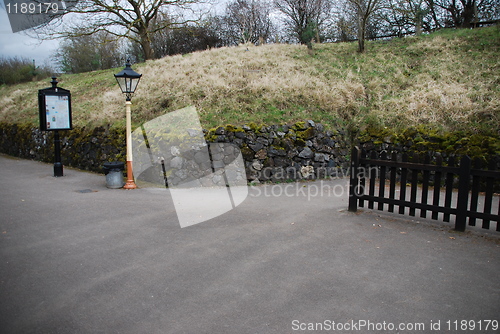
column 20, row 45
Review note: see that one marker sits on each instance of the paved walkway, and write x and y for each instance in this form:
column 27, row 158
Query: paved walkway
column 76, row 257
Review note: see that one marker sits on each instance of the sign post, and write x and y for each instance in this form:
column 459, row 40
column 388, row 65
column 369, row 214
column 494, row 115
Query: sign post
column 54, row 106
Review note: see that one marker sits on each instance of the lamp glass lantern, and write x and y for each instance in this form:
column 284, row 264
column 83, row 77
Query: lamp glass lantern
column 128, row 79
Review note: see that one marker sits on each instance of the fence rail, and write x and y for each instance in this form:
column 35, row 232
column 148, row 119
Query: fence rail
column 434, row 188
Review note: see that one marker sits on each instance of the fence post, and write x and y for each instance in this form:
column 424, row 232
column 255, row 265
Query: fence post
column 463, row 194
column 353, row 179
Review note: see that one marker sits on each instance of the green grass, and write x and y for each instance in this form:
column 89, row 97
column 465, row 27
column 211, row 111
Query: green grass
column 448, row 80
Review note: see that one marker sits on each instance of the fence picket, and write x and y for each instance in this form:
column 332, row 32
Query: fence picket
column 425, row 185
column 362, row 182
column 373, row 177
column 449, row 189
column 354, row 179
column 475, row 191
column 381, row 189
column 489, row 194
column 437, row 186
column 414, row 184
column 402, row 189
column 392, row 182
column 463, row 193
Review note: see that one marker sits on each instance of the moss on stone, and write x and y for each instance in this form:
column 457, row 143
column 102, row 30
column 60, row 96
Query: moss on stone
column 279, row 143
column 300, row 142
column 233, row 128
column 299, row 126
column 253, row 126
column 210, row 136
column 291, row 134
column 306, row 134
column 279, row 148
column 248, row 153
column 424, row 139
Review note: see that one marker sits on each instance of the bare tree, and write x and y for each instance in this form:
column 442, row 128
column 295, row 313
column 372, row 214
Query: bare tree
column 344, row 28
column 89, row 53
column 406, row 16
column 364, row 9
column 186, row 39
column 249, row 20
column 461, row 13
column 305, row 18
column 131, row 19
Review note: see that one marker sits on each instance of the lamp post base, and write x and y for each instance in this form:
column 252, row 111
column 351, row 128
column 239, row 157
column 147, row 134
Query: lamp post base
column 130, row 178
column 58, row 169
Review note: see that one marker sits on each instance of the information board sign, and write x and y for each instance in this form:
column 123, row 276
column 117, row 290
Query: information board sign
column 55, row 109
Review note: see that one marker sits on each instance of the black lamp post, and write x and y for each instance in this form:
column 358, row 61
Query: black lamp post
column 128, row 80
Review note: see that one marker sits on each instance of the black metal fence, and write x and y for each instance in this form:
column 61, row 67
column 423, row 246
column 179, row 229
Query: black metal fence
column 463, row 190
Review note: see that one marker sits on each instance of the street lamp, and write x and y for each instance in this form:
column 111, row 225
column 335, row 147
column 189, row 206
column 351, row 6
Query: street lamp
column 128, row 80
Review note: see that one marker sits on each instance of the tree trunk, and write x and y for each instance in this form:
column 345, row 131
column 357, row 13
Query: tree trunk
column 361, row 34
column 146, row 43
column 147, row 49
column 468, row 14
column 361, row 44
column 418, row 24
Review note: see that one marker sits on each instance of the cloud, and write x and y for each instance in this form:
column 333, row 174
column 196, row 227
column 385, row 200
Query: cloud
column 21, row 45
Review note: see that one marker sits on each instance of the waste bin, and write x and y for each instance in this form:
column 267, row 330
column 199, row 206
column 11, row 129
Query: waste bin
column 114, row 174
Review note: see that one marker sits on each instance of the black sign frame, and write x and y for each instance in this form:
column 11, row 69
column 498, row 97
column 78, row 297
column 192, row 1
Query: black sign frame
column 54, row 105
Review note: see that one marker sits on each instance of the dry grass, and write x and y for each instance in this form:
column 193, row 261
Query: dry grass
column 450, row 79
column 270, row 83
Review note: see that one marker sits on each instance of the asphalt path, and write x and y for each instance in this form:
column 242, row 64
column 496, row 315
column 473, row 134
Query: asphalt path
column 77, row 257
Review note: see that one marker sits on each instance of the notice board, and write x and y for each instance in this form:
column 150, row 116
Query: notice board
column 55, row 109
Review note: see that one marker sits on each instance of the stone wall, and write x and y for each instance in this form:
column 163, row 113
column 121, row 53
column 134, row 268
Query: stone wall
column 303, row 150
column 424, row 140
column 277, row 153
column 83, row 148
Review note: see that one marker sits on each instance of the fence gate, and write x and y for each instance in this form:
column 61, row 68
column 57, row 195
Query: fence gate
column 466, row 190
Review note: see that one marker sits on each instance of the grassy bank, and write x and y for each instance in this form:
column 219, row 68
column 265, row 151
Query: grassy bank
column 449, row 80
